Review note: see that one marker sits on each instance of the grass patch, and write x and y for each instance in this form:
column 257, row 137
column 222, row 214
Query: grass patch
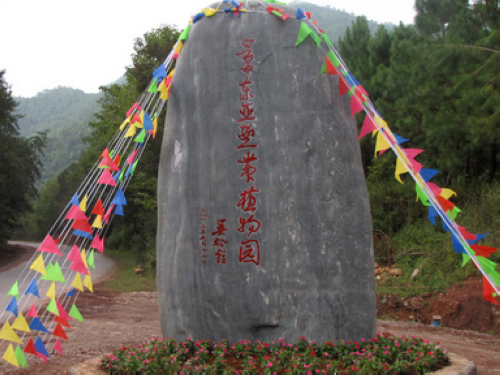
column 125, row 280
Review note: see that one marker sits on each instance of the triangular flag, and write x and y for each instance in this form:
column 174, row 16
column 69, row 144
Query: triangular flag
column 148, row 124
column 40, row 347
column 12, row 307
column 71, row 293
column 400, row 169
column 54, row 273
column 62, row 321
column 21, row 324
column 119, row 211
column 105, row 154
column 79, row 267
column 32, row 311
column 36, row 325
column 432, row 215
column 74, row 254
column 484, row 251
column 77, row 282
column 122, row 126
column 465, row 259
column 400, row 139
column 382, row 143
column 58, row 347
column 14, row 291
column 107, row 217
column 131, row 130
column 160, row 72
column 422, row 195
column 368, row 127
column 97, row 222
column 81, row 233
column 75, row 213
column 30, row 347
column 75, row 314
column 88, row 283
column 98, row 208
column 59, row 332
column 74, row 200
column 478, row 238
column 83, row 203
column 356, row 105
column 343, row 88
column 119, row 198
column 300, row 14
column 153, row 88
column 38, row 265
column 51, row 292
column 98, row 244
column 7, row 333
column 84, row 257
column 52, row 307
column 155, row 124
column 488, row 291
column 428, row 174
column 109, row 164
column 184, row 35
column 106, row 178
column 304, row 32
column 447, row 193
column 21, row 359
column 131, row 158
column 164, row 91
column 10, row 356
column 49, row 246
column 458, row 247
column 91, row 259
column 135, row 106
column 141, row 137
column 62, row 313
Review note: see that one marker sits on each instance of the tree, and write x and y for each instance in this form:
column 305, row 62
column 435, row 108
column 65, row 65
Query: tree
column 20, row 165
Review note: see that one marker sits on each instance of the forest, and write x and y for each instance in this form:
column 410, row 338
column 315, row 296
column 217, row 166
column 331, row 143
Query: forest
column 435, row 83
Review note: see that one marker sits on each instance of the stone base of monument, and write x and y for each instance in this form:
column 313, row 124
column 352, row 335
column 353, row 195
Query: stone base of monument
column 458, row 366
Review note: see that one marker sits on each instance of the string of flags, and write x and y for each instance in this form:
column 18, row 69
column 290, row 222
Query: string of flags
column 67, row 255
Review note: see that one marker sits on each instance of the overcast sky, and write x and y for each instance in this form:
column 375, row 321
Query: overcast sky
column 50, row 43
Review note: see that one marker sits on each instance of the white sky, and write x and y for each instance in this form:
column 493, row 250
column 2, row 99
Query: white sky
column 50, row 43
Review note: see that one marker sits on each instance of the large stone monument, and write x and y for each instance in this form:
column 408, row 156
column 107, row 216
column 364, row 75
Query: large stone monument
column 264, row 221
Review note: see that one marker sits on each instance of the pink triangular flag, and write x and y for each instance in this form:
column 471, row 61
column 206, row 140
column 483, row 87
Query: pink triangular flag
column 107, row 162
column 75, row 213
column 62, row 313
column 74, row 254
column 412, row 153
column 368, row 127
column 436, row 190
column 32, row 311
column 79, row 267
column 39, row 355
column 98, row 244
column 58, row 346
column 49, row 246
column 356, row 105
column 135, row 106
column 131, row 158
column 107, row 217
column 107, row 178
column 415, row 165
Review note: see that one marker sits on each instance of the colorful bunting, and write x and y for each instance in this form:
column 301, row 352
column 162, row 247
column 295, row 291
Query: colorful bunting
column 356, row 105
column 306, row 31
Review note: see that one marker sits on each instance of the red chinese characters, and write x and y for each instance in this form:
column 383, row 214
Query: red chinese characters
column 203, row 237
column 220, row 242
column 248, row 203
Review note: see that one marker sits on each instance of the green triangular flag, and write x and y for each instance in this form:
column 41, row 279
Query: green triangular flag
column 141, row 137
column 465, row 259
column 52, row 307
column 331, row 56
column 75, row 314
column 14, row 291
column 90, row 260
column 133, row 167
column 54, row 273
column 326, row 39
column 351, row 91
column 21, row 359
column 304, row 31
column 453, row 214
column 153, row 88
column 316, row 38
column 122, row 173
column 421, row 194
column 184, row 35
column 489, row 267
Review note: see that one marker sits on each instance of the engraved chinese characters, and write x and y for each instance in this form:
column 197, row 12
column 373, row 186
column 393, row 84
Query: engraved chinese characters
column 264, row 227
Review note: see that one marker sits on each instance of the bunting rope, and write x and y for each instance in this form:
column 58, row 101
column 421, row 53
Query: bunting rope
column 67, row 253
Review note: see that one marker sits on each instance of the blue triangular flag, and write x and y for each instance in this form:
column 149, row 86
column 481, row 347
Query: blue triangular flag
column 119, row 198
column 198, row 17
column 446, row 226
column 33, row 289
column 40, row 347
column 300, row 14
column 235, row 3
column 160, row 72
column 119, row 211
column 352, row 79
column 458, row 247
column 428, row 174
column 12, row 306
column 478, row 238
column 400, row 139
column 71, row 294
column 81, row 233
column 74, row 200
column 37, row 325
column 148, row 124
column 116, row 177
column 432, row 215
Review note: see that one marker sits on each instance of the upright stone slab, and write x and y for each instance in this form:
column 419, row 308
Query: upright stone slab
column 264, row 221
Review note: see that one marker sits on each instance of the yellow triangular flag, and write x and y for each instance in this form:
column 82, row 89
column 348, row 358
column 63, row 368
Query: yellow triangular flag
column 171, row 74
column 400, row 169
column 77, row 283
column 382, row 143
column 51, row 293
column 447, row 193
column 39, row 266
column 10, row 356
column 83, row 203
column 163, row 89
column 141, row 116
column 84, row 258
column 88, row 283
column 21, row 324
column 178, row 48
column 7, row 333
column 155, row 124
column 131, row 131
column 97, row 222
column 127, row 120
column 209, row 12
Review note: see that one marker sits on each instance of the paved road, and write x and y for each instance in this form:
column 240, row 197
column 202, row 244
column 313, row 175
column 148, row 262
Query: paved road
column 23, row 275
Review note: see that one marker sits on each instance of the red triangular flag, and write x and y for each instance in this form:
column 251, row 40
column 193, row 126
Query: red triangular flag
column 107, row 178
column 484, row 251
column 488, row 291
column 356, row 105
column 343, row 88
column 32, row 311
column 466, row 234
column 58, row 347
column 98, row 243
column 107, row 162
column 105, row 153
column 63, row 321
column 368, row 127
column 75, row 213
column 30, row 347
column 445, row 204
column 98, row 208
column 49, row 246
column 131, row 158
column 136, row 118
column 117, row 159
column 62, row 313
column 330, row 69
column 82, row 225
column 59, row 332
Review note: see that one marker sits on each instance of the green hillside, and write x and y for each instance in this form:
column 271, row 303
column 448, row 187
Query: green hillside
column 66, row 112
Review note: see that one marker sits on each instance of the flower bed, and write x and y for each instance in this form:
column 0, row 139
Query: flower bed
column 385, row 354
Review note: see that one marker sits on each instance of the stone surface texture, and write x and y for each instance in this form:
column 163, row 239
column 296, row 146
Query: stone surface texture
column 315, row 273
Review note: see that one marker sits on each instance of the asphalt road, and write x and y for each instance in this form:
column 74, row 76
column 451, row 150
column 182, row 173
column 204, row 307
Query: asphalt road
column 24, row 276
